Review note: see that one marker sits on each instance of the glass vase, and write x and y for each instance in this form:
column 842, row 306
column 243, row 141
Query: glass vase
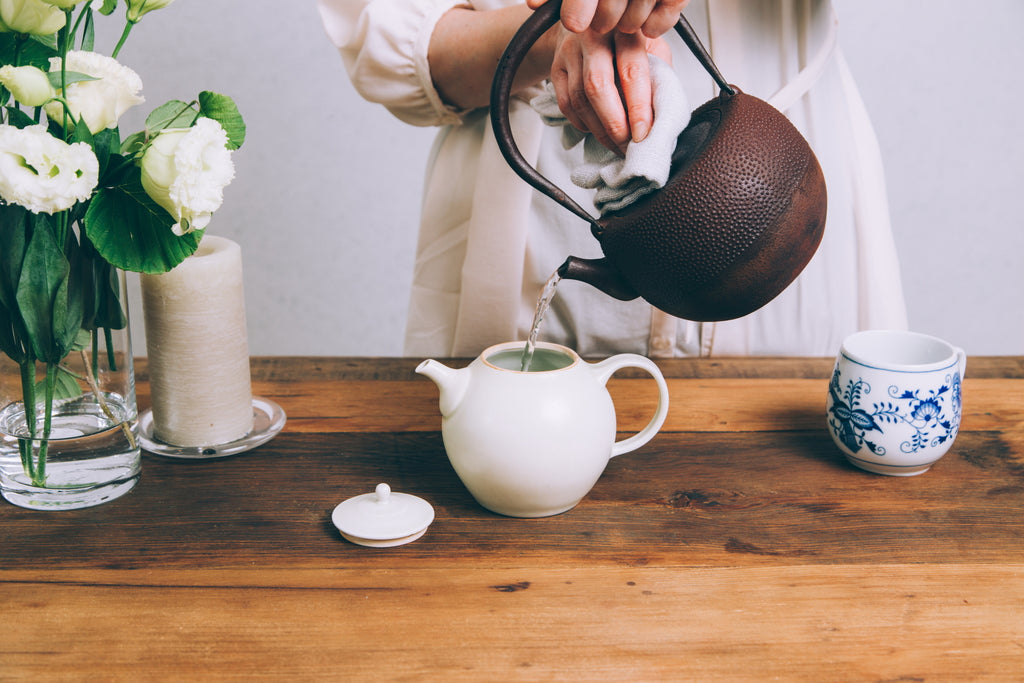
column 69, row 430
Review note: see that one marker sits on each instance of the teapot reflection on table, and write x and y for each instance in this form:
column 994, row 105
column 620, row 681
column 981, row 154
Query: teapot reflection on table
column 740, row 217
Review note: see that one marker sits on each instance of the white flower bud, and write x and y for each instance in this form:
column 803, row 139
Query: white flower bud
column 30, row 16
column 137, row 8
column 29, row 85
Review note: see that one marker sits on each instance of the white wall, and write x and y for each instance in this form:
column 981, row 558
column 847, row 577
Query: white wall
column 328, row 187
column 942, row 80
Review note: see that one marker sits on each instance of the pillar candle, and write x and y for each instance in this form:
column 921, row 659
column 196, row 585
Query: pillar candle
column 198, row 349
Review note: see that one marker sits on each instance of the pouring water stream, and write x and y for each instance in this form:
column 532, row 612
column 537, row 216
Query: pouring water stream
column 543, row 303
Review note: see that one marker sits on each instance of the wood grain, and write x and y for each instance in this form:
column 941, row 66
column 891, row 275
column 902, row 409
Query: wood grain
column 852, row 622
column 737, row 545
column 695, row 499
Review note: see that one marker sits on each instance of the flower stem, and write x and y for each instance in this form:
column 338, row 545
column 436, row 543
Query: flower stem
column 124, row 36
column 44, row 444
column 95, row 352
column 28, row 398
column 90, row 377
column 65, row 35
column 108, row 338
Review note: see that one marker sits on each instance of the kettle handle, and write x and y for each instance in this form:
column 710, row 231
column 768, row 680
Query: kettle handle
column 543, row 18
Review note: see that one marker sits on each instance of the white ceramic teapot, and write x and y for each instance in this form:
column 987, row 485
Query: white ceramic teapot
column 532, row 444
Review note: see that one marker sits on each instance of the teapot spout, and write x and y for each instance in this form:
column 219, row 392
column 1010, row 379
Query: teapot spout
column 598, row 273
column 451, row 382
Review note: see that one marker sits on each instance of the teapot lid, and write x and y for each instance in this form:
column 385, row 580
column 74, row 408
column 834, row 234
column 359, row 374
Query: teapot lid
column 383, row 519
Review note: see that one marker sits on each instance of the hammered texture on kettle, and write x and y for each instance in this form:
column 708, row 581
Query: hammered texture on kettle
column 741, row 215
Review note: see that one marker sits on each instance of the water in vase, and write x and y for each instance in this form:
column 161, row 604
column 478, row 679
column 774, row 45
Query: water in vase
column 92, row 454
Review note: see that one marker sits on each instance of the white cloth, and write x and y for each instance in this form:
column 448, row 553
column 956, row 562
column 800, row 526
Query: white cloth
column 488, row 242
column 618, row 181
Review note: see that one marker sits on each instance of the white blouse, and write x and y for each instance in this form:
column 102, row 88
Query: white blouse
column 488, row 241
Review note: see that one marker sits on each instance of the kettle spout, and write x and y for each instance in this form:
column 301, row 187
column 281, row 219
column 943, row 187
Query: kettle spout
column 451, row 382
column 598, row 273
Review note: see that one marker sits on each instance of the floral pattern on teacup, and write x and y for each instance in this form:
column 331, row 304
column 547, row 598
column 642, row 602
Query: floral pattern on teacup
column 923, row 412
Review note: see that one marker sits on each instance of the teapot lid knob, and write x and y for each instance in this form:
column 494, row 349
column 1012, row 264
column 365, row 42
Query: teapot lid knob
column 383, row 492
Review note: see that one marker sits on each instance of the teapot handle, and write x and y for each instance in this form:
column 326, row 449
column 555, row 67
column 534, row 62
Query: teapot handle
column 543, row 18
column 608, row 367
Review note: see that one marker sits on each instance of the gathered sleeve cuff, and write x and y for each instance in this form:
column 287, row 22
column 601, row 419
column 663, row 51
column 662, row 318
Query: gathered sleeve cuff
column 384, row 44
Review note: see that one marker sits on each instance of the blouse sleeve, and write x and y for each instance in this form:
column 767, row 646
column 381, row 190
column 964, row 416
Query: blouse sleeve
column 383, row 44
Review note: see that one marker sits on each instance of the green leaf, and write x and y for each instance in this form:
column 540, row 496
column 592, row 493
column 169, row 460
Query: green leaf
column 88, row 31
column 34, row 52
column 69, row 78
column 65, row 385
column 83, row 340
column 8, row 47
column 105, row 308
column 134, row 144
column 9, row 337
column 81, row 133
column 108, row 7
column 173, row 114
column 44, row 272
column 55, row 129
column 48, row 42
column 69, row 307
column 18, row 118
column 132, row 232
column 105, row 144
column 13, row 236
column 223, row 110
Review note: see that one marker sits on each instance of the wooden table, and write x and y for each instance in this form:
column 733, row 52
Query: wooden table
column 737, row 545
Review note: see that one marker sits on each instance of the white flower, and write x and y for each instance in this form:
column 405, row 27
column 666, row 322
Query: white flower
column 136, row 8
column 42, row 173
column 30, row 16
column 100, row 102
column 29, row 85
column 185, row 170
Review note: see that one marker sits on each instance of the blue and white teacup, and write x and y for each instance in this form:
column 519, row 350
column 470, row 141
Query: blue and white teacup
column 894, row 401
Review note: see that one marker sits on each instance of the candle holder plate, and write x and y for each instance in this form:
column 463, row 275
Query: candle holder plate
column 268, row 421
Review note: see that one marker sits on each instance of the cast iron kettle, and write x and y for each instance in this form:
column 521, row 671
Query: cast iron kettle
column 742, row 213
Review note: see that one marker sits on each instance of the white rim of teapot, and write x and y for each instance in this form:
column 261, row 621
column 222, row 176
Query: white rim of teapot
column 520, row 345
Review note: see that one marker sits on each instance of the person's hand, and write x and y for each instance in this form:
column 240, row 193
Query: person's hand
column 603, row 84
column 651, row 17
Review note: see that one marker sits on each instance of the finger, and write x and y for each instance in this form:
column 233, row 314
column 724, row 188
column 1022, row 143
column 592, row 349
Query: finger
column 578, row 111
column 663, row 17
column 635, row 15
column 534, row 4
column 563, row 84
column 567, row 79
column 607, row 15
column 602, row 93
column 635, row 80
column 577, row 14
